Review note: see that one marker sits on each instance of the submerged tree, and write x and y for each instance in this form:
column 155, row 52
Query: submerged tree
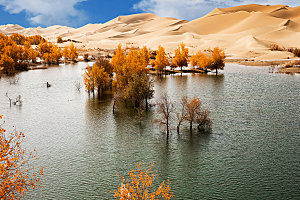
column 95, row 78
column 181, row 113
column 140, row 186
column 194, row 113
column 132, row 83
column 193, row 107
column 16, row 172
column 165, row 109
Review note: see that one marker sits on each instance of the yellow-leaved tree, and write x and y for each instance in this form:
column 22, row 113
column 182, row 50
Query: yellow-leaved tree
column 201, row 60
column 119, row 58
column 16, row 172
column 144, row 56
column 161, row 60
column 218, row 59
column 73, row 52
column 139, row 186
column 132, row 83
column 95, row 78
column 181, row 56
column 7, row 63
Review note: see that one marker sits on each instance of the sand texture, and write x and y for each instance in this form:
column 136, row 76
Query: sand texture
column 243, row 31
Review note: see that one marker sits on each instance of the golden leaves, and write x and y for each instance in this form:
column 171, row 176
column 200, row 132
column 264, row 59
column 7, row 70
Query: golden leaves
column 17, row 176
column 139, row 186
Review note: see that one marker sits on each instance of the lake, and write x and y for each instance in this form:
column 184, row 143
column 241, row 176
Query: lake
column 252, row 152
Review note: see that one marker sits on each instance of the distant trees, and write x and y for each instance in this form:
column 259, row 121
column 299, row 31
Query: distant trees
column 216, row 61
column 140, row 185
column 17, row 48
column 70, row 52
column 161, row 60
column 73, row 52
column 181, row 56
column 200, row 59
column 16, row 172
column 49, row 52
column 59, row 39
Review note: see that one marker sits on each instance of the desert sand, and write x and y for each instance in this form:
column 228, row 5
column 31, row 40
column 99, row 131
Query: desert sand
column 245, row 32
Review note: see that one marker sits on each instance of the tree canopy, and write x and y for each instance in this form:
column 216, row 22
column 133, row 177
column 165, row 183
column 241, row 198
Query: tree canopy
column 16, row 171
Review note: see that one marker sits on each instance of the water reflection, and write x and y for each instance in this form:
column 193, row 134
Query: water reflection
column 83, row 145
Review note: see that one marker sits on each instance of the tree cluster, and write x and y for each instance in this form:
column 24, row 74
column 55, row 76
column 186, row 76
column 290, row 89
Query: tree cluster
column 70, row 52
column 51, row 53
column 188, row 110
column 98, row 77
column 16, row 51
column 214, row 62
column 132, row 83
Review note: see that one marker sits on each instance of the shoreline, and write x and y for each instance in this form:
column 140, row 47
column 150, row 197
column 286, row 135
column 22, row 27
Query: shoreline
column 241, row 61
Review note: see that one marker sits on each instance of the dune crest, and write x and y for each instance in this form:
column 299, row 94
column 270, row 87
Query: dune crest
column 243, row 31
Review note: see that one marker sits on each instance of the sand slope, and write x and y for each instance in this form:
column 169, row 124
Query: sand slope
column 243, row 31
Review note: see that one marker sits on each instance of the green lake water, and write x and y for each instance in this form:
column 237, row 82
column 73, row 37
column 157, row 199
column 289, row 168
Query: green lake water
column 252, row 152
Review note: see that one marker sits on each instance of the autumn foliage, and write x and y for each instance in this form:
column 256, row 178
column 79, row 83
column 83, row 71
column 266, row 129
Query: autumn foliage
column 96, row 78
column 181, row 56
column 49, row 52
column 16, row 51
column 132, row 83
column 139, row 186
column 215, row 61
column 17, row 174
column 161, row 60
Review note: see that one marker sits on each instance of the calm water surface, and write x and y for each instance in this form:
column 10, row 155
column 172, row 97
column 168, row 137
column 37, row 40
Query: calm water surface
column 253, row 151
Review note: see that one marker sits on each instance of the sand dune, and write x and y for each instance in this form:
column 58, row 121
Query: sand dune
column 243, row 31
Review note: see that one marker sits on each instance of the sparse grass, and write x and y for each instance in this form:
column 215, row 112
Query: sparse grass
column 276, row 47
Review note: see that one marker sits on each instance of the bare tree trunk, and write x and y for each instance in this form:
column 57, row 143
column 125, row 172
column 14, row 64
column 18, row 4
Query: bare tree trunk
column 114, row 106
column 191, row 126
column 146, row 103
column 216, row 71
column 167, row 128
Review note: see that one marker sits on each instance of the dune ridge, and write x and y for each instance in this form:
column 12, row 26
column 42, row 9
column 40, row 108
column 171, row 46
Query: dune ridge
column 243, row 31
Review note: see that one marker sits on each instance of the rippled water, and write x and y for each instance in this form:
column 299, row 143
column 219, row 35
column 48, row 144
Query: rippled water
column 253, row 151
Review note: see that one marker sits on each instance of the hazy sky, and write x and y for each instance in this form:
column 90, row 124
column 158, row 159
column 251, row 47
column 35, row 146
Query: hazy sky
column 76, row 13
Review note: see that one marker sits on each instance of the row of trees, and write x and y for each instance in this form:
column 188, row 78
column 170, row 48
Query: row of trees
column 16, row 51
column 51, row 53
column 214, row 61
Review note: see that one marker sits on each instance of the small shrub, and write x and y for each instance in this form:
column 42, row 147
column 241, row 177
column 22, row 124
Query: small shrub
column 59, row 39
column 276, row 47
